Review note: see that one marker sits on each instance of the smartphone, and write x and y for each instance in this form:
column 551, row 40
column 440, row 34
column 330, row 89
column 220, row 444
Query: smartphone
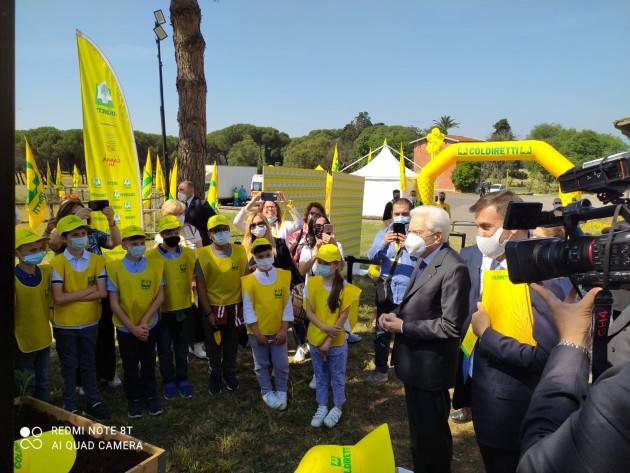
column 97, row 205
column 268, row 196
column 399, row 228
column 328, row 228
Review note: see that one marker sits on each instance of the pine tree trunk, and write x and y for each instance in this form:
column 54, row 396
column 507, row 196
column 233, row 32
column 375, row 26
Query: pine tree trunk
column 191, row 87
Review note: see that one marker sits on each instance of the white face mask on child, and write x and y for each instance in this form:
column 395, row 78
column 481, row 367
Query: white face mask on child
column 264, row 264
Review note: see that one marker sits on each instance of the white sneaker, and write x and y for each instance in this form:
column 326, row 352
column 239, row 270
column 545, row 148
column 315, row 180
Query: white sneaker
column 271, row 400
column 198, row 351
column 281, row 396
column 300, row 354
column 313, row 383
column 333, row 417
column 320, row 415
column 114, row 382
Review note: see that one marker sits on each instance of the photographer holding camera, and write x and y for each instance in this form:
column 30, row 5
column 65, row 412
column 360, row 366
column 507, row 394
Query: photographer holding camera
column 569, row 426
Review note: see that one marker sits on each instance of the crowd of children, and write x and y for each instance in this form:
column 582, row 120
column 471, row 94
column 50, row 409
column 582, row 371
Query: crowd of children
column 154, row 296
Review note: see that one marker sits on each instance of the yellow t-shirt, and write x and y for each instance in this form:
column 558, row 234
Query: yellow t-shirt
column 136, row 290
column 223, row 275
column 444, row 205
column 32, row 313
column 269, row 301
column 317, row 297
column 178, row 275
column 79, row 313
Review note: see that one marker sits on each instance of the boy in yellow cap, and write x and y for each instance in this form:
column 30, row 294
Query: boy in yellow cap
column 176, row 312
column 330, row 302
column 267, row 311
column 136, row 291
column 78, row 284
column 218, row 273
column 32, row 311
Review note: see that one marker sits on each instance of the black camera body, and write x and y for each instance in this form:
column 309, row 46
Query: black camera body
column 588, row 260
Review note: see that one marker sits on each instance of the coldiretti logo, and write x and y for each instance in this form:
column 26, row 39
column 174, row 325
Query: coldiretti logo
column 468, row 150
column 278, row 293
column 182, row 268
column 145, row 284
column 104, row 102
column 235, row 267
column 345, row 461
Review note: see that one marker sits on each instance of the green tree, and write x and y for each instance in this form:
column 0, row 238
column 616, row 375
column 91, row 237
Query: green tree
column 374, row 136
column 220, row 142
column 499, row 169
column 309, row 151
column 244, row 153
column 445, row 123
column 466, row 176
column 353, row 129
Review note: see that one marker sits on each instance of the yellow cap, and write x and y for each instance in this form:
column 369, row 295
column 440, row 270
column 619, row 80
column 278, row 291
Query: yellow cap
column 373, row 454
column 329, row 253
column 69, row 223
column 217, row 220
column 26, row 235
column 260, row 242
column 168, row 222
column 132, row 231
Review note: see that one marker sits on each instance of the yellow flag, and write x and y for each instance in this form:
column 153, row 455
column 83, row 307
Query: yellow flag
column 147, row 181
column 335, row 161
column 35, row 196
column 76, row 177
column 160, row 185
column 172, row 182
column 111, row 159
column 370, row 155
column 49, row 181
column 58, row 183
column 213, row 190
column 403, row 175
column 329, row 179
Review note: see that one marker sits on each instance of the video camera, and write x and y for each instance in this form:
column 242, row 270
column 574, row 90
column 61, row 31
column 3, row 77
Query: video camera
column 588, row 260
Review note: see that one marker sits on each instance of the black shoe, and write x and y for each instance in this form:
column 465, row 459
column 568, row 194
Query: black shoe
column 155, row 406
column 215, row 383
column 231, row 383
column 134, row 409
column 98, row 412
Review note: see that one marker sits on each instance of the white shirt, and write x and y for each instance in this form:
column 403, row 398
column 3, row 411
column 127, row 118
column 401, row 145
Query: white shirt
column 190, row 236
column 266, row 279
column 283, row 231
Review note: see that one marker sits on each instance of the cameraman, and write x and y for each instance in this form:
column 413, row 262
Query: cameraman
column 389, row 248
column 569, row 427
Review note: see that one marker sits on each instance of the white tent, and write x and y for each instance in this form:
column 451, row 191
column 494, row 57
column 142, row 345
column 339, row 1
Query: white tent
column 382, row 176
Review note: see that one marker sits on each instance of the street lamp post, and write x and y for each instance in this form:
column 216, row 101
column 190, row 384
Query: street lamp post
column 160, row 35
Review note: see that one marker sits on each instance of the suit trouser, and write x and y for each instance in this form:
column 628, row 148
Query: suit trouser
column 382, row 340
column 431, row 440
column 499, row 460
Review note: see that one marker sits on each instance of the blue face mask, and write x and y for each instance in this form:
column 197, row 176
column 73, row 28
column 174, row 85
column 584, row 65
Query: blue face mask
column 79, row 243
column 34, row 258
column 324, row 270
column 137, row 251
column 401, row 219
column 222, row 238
column 272, row 219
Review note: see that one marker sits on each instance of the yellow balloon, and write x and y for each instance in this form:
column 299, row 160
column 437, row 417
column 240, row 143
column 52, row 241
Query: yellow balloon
column 435, row 132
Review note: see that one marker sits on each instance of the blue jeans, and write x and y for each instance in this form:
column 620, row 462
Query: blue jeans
column 35, row 364
column 173, row 338
column 77, row 351
column 330, row 372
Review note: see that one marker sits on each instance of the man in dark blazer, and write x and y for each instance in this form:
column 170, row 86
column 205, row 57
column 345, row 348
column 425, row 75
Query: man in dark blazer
column 569, row 427
column 197, row 211
column 504, row 372
column 427, row 324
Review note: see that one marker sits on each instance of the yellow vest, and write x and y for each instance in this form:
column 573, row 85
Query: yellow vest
column 223, row 275
column 178, row 274
column 77, row 313
column 317, row 298
column 32, row 314
column 135, row 290
column 269, row 301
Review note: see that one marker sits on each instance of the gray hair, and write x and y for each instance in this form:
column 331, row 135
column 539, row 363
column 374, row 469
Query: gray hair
column 435, row 219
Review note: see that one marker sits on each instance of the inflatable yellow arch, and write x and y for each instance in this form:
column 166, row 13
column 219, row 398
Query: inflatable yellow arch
column 527, row 150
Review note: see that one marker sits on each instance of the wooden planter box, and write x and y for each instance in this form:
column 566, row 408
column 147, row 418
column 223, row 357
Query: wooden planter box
column 156, row 463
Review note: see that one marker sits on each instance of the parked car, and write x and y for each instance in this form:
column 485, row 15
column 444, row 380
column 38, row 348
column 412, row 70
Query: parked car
column 497, row 187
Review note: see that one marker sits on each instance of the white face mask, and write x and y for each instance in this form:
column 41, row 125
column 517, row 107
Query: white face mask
column 181, row 219
column 259, row 231
column 492, row 247
column 182, row 197
column 222, row 238
column 415, row 244
column 264, row 264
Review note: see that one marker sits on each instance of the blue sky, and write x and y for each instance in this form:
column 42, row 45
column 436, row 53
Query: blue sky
column 299, row 65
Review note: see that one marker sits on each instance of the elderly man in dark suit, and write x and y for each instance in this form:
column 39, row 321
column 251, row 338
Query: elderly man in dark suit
column 427, row 324
column 197, row 211
column 503, row 373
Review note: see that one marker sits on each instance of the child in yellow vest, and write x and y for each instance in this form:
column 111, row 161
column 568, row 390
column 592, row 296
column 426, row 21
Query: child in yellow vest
column 136, row 291
column 78, row 284
column 32, row 312
column 218, row 273
column 176, row 313
column 330, row 302
column 267, row 311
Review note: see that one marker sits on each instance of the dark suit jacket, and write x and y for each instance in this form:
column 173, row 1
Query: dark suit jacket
column 197, row 214
column 569, row 428
column 619, row 339
column 505, row 371
column 433, row 310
